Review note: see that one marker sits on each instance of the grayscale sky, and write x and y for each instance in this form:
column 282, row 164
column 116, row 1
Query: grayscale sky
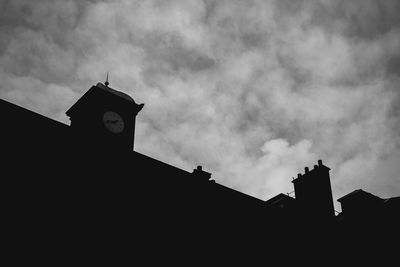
column 253, row 90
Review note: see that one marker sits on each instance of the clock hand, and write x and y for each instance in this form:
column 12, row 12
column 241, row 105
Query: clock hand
column 111, row 121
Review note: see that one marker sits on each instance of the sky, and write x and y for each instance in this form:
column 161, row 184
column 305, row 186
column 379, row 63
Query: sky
column 252, row 90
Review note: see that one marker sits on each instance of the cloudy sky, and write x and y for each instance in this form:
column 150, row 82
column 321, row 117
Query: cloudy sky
column 253, row 90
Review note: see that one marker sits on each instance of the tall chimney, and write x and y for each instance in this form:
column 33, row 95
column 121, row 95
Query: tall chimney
column 314, row 193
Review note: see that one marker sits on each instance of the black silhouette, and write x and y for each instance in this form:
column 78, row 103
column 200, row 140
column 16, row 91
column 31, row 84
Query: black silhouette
column 81, row 190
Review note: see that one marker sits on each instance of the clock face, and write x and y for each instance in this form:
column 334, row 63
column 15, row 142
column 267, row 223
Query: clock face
column 113, row 122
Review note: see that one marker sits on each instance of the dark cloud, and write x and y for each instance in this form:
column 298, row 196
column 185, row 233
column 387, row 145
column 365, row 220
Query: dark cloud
column 253, row 90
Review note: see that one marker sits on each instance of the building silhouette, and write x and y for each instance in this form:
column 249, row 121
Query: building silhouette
column 82, row 189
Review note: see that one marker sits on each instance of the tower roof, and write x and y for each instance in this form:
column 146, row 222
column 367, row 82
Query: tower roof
column 115, row 92
column 104, row 91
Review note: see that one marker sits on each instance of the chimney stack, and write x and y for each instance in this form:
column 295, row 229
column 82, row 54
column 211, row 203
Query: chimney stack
column 314, row 193
column 198, row 172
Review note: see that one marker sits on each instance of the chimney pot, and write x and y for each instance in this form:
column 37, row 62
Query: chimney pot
column 298, row 175
column 315, row 166
column 320, row 162
column 306, row 169
column 198, row 172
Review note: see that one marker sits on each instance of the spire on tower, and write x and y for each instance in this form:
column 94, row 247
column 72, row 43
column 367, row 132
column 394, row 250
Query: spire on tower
column 106, row 82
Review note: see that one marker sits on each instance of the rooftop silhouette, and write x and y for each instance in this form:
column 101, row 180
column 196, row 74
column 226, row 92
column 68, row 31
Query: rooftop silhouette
column 84, row 185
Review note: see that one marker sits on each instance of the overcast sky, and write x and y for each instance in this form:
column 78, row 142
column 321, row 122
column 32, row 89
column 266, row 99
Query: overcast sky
column 253, row 90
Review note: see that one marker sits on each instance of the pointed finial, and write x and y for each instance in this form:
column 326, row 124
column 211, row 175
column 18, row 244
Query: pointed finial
column 106, row 83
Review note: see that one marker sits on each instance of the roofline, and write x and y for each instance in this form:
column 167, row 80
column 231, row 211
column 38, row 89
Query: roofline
column 354, row 192
column 38, row 115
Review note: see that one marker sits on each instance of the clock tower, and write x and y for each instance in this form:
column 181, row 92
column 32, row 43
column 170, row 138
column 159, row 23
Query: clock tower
column 105, row 118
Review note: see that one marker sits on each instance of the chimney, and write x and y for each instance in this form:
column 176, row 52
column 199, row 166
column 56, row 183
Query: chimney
column 314, row 193
column 198, row 172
